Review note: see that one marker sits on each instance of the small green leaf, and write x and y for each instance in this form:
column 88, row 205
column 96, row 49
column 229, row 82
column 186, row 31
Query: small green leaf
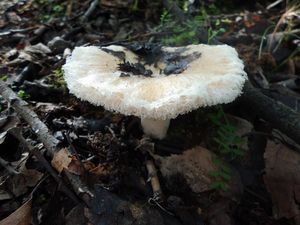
column 23, row 95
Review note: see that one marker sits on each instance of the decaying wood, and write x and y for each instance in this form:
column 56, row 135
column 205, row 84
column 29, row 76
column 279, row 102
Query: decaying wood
column 24, row 111
column 277, row 114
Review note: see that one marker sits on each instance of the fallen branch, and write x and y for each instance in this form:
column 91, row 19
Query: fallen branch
column 92, row 8
column 46, row 165
column 277, row 114
column 42, row 132
column 22, row 109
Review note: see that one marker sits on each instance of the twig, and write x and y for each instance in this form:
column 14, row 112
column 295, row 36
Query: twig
column 14, row 31
column 43, row 134
column 46, row 165
column 23, row 110
column 52, row 172
column 90, row 10
column 274, row 4
column 157, row 192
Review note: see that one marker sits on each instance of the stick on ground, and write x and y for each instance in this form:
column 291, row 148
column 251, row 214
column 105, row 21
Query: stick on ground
column 23, row 110
column 277, row 114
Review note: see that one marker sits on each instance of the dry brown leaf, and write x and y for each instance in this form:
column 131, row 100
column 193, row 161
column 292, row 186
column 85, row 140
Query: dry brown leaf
column 26, row 178
column 194, row 165
column 61, row 160
column 101, row 170
column 76, row 167
column 64, row 160
column 19, row 183
column 31, row 53
column 282, row 179
column 194, row 168
column 22, row 216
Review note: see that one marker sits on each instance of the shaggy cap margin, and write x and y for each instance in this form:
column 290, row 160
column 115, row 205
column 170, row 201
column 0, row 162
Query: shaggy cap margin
column 217, row 76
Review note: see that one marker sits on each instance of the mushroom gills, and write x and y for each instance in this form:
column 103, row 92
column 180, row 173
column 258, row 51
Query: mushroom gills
column 155, row 128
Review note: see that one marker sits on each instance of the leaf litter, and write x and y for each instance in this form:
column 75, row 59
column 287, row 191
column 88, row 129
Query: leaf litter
column 100, row 155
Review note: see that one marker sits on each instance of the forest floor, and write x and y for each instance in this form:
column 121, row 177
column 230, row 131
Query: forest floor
column 66, row 161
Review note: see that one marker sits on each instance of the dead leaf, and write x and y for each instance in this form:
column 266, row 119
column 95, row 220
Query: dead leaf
column 76, row 167
column 8, row 122
column 282, row 179
column 194, row 169
column 39, row 48
column 22, row 216
column 102, row 170
column 31, row 53
column 61, row 160
column 19, row 183
column 64, row 160
column 193, row 166
column 26, row 178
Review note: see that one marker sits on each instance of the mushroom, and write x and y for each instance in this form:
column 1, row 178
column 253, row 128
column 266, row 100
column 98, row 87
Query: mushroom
column 173, row 81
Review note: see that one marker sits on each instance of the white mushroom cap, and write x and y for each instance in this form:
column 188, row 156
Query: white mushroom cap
column 216, row 76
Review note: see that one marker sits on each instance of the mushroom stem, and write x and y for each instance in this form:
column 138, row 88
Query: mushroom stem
column 155, row 128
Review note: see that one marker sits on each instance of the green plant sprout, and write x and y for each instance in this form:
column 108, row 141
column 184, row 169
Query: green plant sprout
column 229, row 143
column 180, row 33
column 228, row 148
column 186, row 32
column 4, row 77
column 56, row 79
column 263, row 39
column 57, row 10
column 214, row 33
column 23, row 95
column 222, row 176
